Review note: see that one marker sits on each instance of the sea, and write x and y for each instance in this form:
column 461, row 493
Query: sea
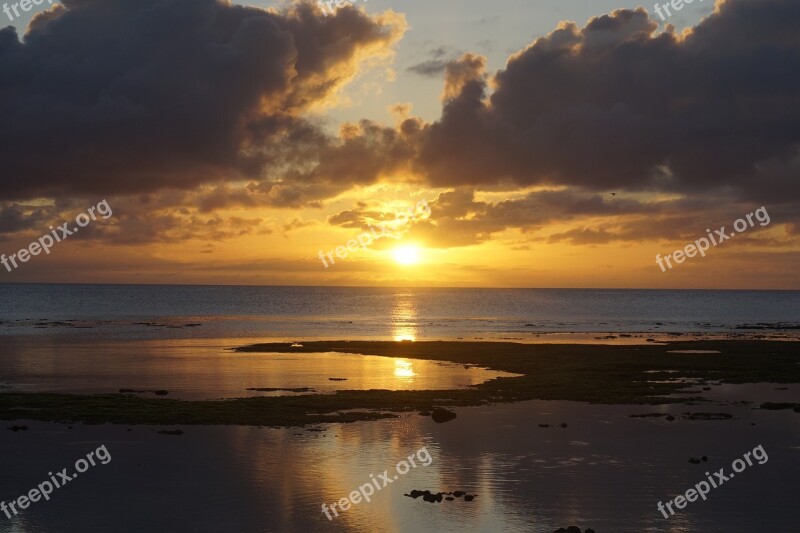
column 293, row 313
column 533, row 466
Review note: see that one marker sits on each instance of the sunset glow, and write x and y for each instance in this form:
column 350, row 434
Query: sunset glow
column 407, row 255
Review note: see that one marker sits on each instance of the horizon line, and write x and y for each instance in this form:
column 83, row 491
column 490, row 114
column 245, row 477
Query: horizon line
column 390, row 287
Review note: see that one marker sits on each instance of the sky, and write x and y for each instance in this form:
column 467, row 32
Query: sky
column 547, row 143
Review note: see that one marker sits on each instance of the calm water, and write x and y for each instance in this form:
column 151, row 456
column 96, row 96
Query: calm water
column 140, row 312
column 206, row 369
column 528, row 479
column 605, row 470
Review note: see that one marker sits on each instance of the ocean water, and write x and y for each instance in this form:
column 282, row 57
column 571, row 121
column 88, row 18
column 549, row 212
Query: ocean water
column 164, row 311
column 603, row 469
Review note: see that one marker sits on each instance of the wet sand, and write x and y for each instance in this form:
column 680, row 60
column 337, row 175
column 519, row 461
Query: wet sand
column 586, row 435
column 650, row 374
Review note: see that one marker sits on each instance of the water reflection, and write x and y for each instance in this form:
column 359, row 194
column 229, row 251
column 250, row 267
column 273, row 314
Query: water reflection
column 193, row 370
column 404, row 370
column 404, row 317
column 606, row 470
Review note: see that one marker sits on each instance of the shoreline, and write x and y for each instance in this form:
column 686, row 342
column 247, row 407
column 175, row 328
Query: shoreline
column 602, row 374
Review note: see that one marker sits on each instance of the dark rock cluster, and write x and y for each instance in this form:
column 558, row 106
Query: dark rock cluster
column 278, row 389
column 440, row 416
column 134, row 391
column 654, row 415
column 437, row 497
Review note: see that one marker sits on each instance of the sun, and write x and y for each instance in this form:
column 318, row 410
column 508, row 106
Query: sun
column 406, row 255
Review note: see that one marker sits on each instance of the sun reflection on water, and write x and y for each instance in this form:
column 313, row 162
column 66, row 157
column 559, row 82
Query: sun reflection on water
column 404, row 370
column 404, row 318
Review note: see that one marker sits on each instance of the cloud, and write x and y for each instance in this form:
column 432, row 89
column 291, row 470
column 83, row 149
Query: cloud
column 16, row 217
column 430, row 68
column 618, row 105
column 139, row 95
column 439, row 58
column 209, row 100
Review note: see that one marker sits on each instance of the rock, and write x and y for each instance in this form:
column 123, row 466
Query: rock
column 18, row 428
column 573, row 529
column 278, row 389
column 544, row 425
column 438, row 497
column 171, row 432
column 589, row 530
column 704, row 459
column 564, row 425
column 708, row 416
column 156, row 392
column 670, row 418
column 694, row 461
column 775, row 406
column 440, row 416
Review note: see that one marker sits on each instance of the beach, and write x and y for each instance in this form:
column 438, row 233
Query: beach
column 545, row 416
column 593, row 435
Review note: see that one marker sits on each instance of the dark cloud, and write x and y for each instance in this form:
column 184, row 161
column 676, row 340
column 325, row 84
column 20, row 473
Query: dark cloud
column 431, row 67
column 140, row 95
column 134, row 220
column 436, row 64
column 135, row 96
column 616, row 105
column 459, row 219
column 18, row 217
